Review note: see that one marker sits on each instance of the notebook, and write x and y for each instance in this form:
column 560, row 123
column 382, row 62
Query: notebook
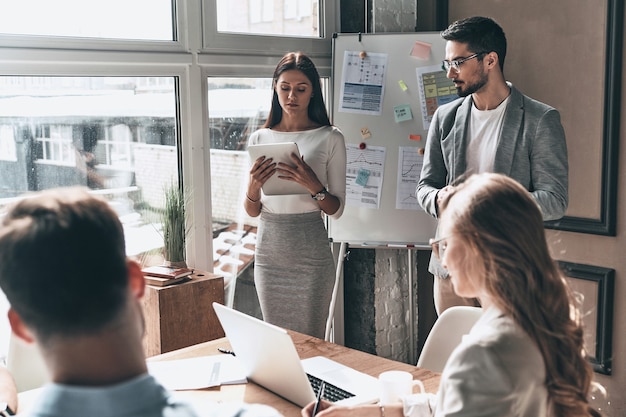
column 279, row 152
column 270, row 359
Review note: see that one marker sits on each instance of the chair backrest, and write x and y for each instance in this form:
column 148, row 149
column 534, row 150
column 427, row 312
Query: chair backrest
column 26, row 364
column 446, row 334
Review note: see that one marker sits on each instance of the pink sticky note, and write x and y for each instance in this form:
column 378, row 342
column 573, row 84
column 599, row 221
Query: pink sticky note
column 421, row 50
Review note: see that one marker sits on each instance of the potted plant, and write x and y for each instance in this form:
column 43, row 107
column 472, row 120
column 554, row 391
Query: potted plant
column 174, row 226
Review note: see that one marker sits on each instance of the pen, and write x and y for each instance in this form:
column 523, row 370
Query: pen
column 318, row 400
column 228, row 352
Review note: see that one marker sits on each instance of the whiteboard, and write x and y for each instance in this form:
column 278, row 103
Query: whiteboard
column 386, row 225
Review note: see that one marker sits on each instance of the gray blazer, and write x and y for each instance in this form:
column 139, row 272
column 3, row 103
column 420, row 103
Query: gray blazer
column 531, row 150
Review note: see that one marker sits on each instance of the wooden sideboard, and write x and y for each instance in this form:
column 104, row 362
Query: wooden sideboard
column 181, row 315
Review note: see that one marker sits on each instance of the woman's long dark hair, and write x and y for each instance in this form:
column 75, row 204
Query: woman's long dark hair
column 317, row 109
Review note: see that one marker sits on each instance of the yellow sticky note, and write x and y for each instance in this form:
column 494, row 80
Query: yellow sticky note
column 402, row 85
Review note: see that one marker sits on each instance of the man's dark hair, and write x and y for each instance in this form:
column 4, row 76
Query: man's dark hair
column 63, row 262
column 481, row 34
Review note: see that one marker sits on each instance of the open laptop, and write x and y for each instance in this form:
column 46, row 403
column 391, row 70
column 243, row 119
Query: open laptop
column 279, row 152
column 270, row 359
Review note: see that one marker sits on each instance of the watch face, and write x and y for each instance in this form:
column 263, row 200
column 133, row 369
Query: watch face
column 321, row 195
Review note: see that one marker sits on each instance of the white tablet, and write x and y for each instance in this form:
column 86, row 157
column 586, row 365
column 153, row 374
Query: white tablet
column 279, row 152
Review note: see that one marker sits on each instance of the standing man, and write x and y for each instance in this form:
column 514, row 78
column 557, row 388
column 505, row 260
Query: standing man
column 73, row 292
column 493, row 127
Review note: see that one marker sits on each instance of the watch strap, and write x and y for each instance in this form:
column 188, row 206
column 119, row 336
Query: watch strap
column 5, row 410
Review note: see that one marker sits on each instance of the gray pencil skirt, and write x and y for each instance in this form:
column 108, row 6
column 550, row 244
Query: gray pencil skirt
column 294, row 271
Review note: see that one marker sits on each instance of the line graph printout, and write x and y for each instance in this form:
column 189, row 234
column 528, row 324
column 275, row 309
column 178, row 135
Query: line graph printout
column 364, row 175
column 409, row 170
column 435, row 89
column 363, row 83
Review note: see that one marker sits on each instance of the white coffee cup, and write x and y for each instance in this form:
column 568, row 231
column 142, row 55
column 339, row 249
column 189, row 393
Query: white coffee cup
column 394, row 385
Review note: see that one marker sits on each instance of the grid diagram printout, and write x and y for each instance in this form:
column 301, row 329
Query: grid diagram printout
column 364, row 175
column 435, row 90
column 363, row 83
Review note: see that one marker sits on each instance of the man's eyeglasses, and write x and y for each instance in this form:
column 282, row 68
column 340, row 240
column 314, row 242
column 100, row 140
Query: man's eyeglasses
column 455, row 64
column 439, row 246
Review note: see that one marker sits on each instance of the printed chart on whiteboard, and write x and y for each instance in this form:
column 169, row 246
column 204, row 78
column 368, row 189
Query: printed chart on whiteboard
column 363, row 83
column 409, row 168
column 435, row 90
column 364, row 175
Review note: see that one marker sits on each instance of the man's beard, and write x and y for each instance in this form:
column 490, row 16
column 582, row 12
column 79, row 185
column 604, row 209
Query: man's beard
column 465, row 89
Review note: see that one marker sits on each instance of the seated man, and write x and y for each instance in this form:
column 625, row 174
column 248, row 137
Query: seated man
column 73, row 292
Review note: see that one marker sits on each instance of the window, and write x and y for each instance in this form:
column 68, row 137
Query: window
column 95, row 132
column 54, row 144
column 260, row 11
column 123, row 96
column 8, row 150
column 299, row 9
column 269, row 17
column 269, row 27
column 114, row 149
column 116, row 19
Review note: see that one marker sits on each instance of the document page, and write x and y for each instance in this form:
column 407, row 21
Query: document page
column 198, row 373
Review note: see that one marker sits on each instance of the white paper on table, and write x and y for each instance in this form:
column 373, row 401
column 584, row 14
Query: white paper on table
column 198, row 373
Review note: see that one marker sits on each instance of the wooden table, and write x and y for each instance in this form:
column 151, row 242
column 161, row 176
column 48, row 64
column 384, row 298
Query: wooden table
column 306, row 346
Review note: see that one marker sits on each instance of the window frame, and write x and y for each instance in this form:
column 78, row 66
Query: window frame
column 264, row 45
column 179, row 43
column 192, row 64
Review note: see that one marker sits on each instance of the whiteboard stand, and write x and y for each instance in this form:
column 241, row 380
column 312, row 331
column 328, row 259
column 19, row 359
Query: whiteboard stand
column 412, row 358
column 401, row 226
column 330, row 325
column 330, row 335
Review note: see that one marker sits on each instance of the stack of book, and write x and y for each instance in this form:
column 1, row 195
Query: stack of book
column 162, row 275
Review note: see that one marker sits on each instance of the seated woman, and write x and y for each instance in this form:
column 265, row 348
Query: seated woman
column 525, row 356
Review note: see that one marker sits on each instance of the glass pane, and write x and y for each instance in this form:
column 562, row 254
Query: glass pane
column 114, row 135
column 237, row 107
column 269, row 17
column 113, row 19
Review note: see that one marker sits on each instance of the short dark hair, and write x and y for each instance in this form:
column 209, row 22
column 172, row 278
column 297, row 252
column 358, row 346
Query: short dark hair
column 481, row 34
column 301, row 62
column 63, row 262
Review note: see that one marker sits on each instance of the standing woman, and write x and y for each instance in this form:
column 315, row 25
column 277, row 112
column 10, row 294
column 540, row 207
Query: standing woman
column 294, row 269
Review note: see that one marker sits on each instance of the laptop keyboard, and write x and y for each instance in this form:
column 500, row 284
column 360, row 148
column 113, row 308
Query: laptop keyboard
column 331, row 392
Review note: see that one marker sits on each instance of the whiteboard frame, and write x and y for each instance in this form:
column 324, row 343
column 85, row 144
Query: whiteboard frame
column 385, row 226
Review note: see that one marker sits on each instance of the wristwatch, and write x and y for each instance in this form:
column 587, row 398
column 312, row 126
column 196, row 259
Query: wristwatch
column 320, row 195
column 5, row 410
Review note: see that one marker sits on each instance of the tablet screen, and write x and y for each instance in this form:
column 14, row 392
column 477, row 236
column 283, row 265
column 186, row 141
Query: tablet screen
column 279, row 152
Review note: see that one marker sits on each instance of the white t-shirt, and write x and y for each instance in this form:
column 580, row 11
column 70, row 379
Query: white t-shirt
column 484, row 133
column 324, row 150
